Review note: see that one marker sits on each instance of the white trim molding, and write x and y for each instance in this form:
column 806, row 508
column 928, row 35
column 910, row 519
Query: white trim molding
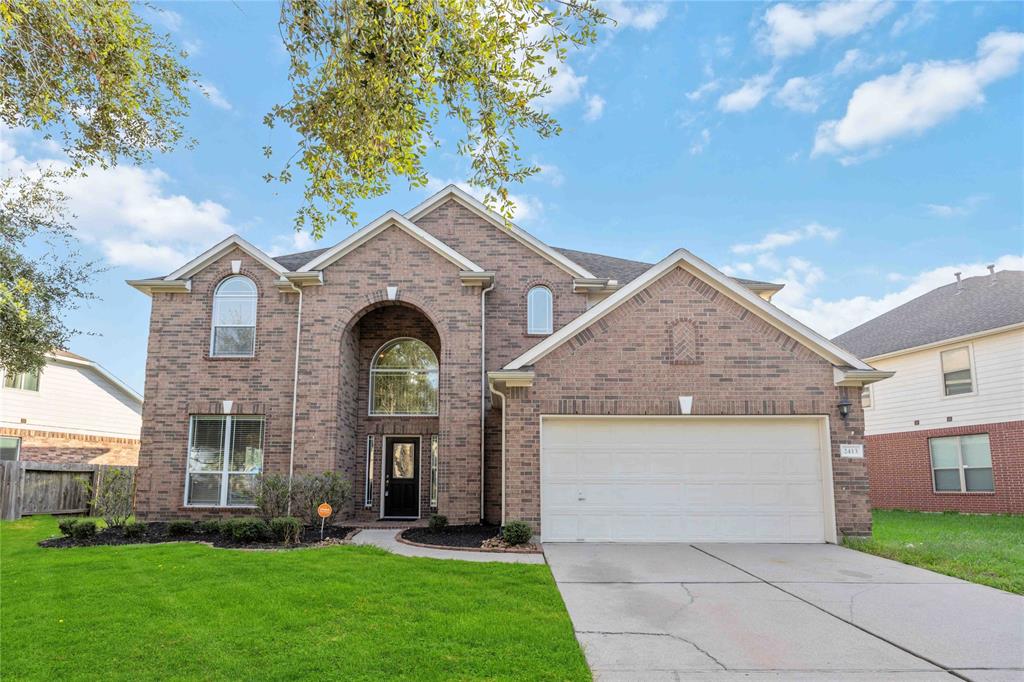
column 947, row 342
column 845, row 376
column 161, row 286
column 724, row 284
column 215, row 252
column 371, row 230
column 519, row 234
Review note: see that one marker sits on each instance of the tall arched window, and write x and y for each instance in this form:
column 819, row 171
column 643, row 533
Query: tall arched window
column 539, row 314
column 234, row 318
column 403, row 379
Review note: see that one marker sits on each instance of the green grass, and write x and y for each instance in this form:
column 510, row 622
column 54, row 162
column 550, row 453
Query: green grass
column 982, row 549
column 188, row 611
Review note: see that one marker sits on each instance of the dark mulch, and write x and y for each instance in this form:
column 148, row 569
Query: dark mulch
column 156, row 532
column 453, row 536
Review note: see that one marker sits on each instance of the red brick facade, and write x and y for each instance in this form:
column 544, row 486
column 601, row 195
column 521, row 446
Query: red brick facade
column 627, row 363
column 74, row 448
column 901, row 475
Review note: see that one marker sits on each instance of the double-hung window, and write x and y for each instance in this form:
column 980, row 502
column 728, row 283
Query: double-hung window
column 961, row 464
column 225, row 457
column 956, row 371
column 26, row 381
column 234, row 318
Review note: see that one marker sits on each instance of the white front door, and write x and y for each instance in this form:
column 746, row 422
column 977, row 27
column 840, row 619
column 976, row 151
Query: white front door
column 685, row 479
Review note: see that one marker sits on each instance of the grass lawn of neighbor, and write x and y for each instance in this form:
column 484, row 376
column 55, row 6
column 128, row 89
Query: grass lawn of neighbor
column 983, row 549
column 189, row 611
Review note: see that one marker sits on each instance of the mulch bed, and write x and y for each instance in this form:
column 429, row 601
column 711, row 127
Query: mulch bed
column 156, row 532
column 453, row 536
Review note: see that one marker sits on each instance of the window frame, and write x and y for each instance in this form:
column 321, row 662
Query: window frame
column 213, row 317
column 867, row 397
column 368, row 485
column 960, row 466
column 373, row 372
column 969, row 347
column 433, row 471
column 17, row 448
column 550, row 311
column 224, row 472
column 19, row 381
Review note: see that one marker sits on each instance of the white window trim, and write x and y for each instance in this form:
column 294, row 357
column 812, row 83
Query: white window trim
column 214, row 325
column 372, row 372
column 39, row 380
column 960, row 467
column 549, row 329
column 368, row 484
column 17, row 449
column 871, row 398
column 225, row 459
column 419, row 476
column 434, row 471
column 974, row 372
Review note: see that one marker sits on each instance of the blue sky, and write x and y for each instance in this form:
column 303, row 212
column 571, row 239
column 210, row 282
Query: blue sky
column 859, row 152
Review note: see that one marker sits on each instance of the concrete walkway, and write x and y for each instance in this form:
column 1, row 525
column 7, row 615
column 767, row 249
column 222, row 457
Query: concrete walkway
column 781, row 612
column 385, row 539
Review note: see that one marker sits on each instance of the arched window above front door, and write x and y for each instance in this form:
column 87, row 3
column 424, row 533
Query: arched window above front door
column 403, row 379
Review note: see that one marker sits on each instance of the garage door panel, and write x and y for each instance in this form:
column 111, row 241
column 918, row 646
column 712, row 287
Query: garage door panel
column 690, row 479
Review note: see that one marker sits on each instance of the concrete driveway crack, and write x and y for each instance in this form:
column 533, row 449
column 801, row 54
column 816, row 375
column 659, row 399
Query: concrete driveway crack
column 659, row 634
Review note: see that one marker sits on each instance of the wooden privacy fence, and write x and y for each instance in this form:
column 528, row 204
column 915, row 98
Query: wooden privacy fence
column 48, row 488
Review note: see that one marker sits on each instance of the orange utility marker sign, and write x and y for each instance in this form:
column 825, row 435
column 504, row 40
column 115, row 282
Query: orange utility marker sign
column 324, row 510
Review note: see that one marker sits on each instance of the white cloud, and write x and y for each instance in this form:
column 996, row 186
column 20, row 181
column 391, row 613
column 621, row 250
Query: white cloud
column 525, row 207
column 833, row 317
column 595, row 108
column 639, row 15
column 566, row 85
column 214, row 95
column 551, row 174
column 856, row 60
column 131, row 214
column 775, row 240
column 704, row 89
column 701, row 143
column 739, row 269
column 748, row 95
column 790, row 30
column 294, row 242
column 920, row 14
column 800, row 94
column 919, row 96
column 170, row 19
column 192, row 47
column 965, row 207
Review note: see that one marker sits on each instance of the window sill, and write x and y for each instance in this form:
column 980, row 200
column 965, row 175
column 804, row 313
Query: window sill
column 230, row 357
column 963, row 492
column 402, row 416
column 217, row 506
column 538, row 334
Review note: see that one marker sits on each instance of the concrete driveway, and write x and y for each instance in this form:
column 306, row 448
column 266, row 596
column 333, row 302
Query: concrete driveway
column 781, row 612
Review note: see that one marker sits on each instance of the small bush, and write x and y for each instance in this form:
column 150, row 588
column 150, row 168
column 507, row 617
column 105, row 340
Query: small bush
column 83, row 529
column 272, row 496
column 66, row 525
column 211, row 526
column 135, row 529
column 180, row 527
column 286, row 529
column 112, row 495
column 312, row 490
column 438, row 522
column 516, row 532
column 249, row 529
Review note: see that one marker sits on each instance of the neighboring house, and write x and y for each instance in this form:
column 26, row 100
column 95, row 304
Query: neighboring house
column 446, row 362
column 73, row 411
column 947, row 431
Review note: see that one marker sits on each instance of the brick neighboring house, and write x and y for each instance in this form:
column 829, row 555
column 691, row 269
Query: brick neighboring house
column 448, row 363
column 947, row 431
column 73, row 411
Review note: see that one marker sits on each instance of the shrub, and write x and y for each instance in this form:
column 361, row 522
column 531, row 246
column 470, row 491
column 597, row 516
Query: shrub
column 83, row 529
column 312, row 490
column 516, row 532
column 248, row 529
column 112, row 495
column 66, row 525
column 272, row 496
column 180, row 527
column 135, row 529
column 438, row 522
column 211, row 526
column 286, row 529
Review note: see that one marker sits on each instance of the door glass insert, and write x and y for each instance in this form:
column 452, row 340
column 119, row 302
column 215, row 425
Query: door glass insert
column 403, row 460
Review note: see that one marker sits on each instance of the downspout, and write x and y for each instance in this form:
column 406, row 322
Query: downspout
column 483, row 388
column 502, row 396
column 295, row 399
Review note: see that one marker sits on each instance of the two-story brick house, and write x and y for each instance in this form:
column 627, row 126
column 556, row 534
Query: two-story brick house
column 447, row 362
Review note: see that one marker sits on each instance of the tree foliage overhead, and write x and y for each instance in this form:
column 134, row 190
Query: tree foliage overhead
column 371, row 79
column 94, row 77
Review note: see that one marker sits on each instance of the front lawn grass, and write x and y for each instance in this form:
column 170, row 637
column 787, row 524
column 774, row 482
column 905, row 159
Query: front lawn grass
column 189, row 611
column 982, row 549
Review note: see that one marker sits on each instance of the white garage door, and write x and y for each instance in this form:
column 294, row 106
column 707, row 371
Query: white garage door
column 686, row 479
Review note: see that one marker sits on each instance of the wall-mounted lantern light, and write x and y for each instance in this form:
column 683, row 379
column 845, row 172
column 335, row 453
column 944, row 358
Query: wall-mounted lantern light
column 844, row 408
